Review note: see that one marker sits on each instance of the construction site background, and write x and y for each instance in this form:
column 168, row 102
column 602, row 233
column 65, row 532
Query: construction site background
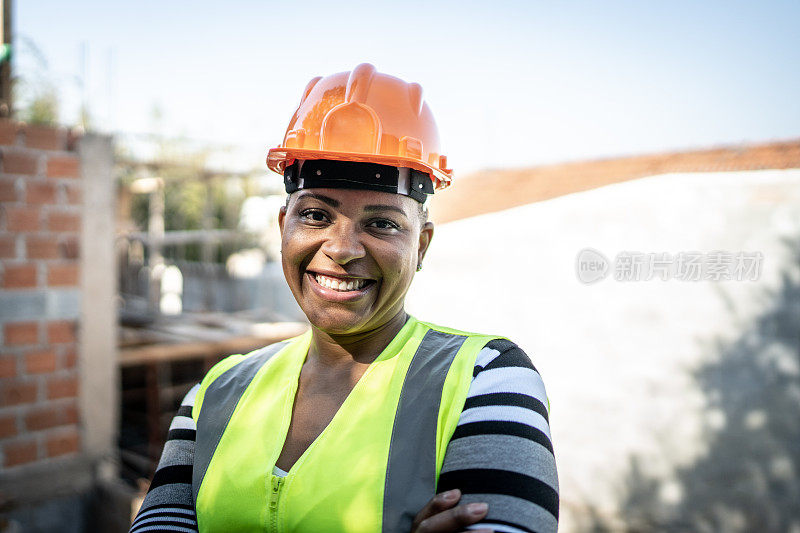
column 130, row 266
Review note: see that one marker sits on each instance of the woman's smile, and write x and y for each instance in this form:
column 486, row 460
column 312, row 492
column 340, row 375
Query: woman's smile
column 339, row 288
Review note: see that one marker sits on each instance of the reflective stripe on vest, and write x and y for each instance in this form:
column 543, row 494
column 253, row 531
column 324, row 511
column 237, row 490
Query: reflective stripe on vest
column 411, row 471
column 220, row 400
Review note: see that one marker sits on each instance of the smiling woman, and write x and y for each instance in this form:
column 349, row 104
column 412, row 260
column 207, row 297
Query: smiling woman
column 372, row 420
column 338, row 238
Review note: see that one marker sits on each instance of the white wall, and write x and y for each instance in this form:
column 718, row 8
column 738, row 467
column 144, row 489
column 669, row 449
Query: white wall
column 616, row 356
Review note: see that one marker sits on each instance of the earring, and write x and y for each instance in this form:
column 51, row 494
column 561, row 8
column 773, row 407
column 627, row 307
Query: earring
column 419, row 267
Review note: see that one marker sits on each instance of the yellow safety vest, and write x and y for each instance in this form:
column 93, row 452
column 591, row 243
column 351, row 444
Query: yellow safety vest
column 372, row 468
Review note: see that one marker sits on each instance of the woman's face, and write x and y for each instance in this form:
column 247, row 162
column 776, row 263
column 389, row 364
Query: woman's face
column 349, row 255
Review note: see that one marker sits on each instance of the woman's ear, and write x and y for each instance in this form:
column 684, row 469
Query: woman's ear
column 425, row 236
column 281, row 218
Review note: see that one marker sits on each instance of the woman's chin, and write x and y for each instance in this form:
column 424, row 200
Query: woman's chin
column 338, row 323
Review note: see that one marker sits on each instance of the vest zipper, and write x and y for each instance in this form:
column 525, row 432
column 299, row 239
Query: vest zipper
column 277, row 483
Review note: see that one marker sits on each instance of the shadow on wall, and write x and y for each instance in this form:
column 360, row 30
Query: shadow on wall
column 749, row 479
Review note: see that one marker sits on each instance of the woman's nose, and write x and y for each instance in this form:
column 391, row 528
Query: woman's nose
column 343, row 245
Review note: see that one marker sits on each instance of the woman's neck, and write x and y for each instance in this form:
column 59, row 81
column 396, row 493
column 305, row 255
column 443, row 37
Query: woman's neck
column 364, row 347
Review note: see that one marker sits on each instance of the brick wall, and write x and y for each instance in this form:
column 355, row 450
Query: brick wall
column 40, row 223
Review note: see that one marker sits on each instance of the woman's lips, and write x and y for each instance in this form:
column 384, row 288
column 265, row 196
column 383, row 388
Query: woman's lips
column 339, row 289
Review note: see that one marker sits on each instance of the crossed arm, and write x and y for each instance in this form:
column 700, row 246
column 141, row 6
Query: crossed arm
column 500, row 453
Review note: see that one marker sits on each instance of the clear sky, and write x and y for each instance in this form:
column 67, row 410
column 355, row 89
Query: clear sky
column 510, row 83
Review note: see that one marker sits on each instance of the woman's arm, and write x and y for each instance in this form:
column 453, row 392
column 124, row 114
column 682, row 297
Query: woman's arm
column 168, row 505
column 501, row 452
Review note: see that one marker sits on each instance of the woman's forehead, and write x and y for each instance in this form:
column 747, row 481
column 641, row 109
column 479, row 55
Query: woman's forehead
column 356, row 198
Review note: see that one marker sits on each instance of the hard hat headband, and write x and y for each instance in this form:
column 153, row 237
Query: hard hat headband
column 327, row 173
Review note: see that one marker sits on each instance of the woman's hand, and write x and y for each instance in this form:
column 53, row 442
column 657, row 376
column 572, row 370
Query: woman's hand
column 438, row 517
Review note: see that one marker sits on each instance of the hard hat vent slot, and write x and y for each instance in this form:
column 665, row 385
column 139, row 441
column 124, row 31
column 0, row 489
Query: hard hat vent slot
column 411, row 147
column 310, row 86
column 359, row 82
column 415, row 97
column 295, row 138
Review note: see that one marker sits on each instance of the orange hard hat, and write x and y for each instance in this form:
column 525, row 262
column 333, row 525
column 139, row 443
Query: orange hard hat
column 364, row 116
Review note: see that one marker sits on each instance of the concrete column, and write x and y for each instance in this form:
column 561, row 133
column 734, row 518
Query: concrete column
column 99, row 375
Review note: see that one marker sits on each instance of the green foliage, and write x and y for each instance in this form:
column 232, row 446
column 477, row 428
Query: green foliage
column 184, row 202
column 42, row 108
column 34, row 93
column 186, row 192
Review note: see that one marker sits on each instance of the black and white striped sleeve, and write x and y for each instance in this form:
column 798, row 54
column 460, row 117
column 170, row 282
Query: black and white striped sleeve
column 168, row 505
column 501, row 452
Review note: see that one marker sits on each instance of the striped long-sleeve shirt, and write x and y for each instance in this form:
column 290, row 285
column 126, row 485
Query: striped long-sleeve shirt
column 501, row 453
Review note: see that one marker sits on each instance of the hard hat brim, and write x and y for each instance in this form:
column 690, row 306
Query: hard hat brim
column 279, row 158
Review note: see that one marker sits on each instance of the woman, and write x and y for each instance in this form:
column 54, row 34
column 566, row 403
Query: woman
column 372, row 420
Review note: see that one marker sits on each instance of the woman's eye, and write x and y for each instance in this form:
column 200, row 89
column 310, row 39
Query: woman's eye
column 314, row 215
column 383, row 224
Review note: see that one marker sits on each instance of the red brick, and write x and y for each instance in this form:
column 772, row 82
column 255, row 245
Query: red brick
column 63, row 442
column 62, row 388
column 8, row 131
column 40, row 192
column 73, row 138
column 43, row 418
column 8, row 190
column 50, row 416
column 42, row 247
column 63, row 275
column 63, row 167
column 22, row 218
column 60, row 221
column 74, row 194
column 44, row 138
column 70, row 413
column 8, row 247
column 17, row 393
column 60, row 332
column 17, row 163
column 70, row 359
column 19, row 276
column 40, row 362
column 8, row 366
column 19, row 452
column 8, row 426
column 69, row 248
column 17, row 333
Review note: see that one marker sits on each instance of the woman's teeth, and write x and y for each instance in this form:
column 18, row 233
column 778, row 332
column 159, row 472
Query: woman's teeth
column 340, row 284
